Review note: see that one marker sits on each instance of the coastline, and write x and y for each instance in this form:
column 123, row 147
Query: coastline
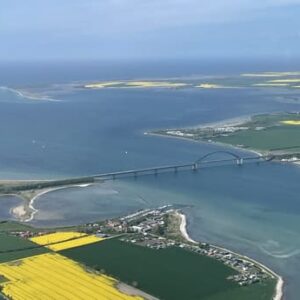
column 26, row 211
column 27, row 95
column 280, row 282
column 254, row 151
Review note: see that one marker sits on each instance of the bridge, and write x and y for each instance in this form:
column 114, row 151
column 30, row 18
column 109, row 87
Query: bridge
column 203, row 161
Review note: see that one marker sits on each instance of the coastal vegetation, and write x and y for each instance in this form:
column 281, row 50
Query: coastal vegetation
column 10, row 187
column 271, row 132
column 8, row 226
column 29, row 191
column 277, row 133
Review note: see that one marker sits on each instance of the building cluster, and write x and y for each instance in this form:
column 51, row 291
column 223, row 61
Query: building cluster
column 148, row 227
column 144, row 221
column 206, row 132
column 27, row 234
column 150, row 241
column 291, row 159
column 247, row 272
column 179, row 133
column 228, row 129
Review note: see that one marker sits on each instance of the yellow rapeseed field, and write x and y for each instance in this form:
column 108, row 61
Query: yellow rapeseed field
column 159, row 84
column 65, row 240
column 53, row 276
column 271, row 84
column 209, row 86
column 271, row 74
column 290, row 80
column 100, row 85
column 291, row 122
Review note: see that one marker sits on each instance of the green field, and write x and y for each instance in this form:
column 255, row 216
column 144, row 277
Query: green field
column 275, row 134
column 265, row 132
column 6, row 226
column 169, row 274
column 272, row 138
column 21, row 248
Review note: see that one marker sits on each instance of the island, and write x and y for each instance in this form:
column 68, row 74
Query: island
column 136, row 84
column 274, row 133
column 131, row 257
column 287, row 80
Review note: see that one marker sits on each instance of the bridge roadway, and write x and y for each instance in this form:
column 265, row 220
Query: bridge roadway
column 181, row 167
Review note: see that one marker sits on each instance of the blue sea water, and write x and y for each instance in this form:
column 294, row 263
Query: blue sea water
column 7, row 204
column 252, row 209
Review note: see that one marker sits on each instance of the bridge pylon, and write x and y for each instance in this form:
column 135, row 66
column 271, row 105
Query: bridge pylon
column 240, row 161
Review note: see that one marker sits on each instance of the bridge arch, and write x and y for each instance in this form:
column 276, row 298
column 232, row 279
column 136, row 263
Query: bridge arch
column 235, row 156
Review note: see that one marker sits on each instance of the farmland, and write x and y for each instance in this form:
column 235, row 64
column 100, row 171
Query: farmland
column 52, row 276
column 156, row 271
column 65, row 240
column 67, row 264
column 7, row 226
column 266, row 132
column 12, row 248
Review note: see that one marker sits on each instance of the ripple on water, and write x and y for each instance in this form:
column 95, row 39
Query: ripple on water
column 75, row 205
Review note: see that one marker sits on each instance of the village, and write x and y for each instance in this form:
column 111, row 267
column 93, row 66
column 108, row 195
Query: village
column 151, row 228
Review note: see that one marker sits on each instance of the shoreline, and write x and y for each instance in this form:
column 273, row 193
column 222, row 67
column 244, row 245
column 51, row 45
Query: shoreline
column 254, row 151
column 280, row 282
column 26, row 211
column 27, row 95
column 219, row 144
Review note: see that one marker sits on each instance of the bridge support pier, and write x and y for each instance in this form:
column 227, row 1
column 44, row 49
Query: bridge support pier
column 195, row 167
column 239, row 161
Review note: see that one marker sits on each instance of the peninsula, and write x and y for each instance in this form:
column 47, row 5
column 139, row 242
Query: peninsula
column 275, row 133
column 132, row 251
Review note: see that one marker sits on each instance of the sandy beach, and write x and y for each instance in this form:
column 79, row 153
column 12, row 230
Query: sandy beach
column 19, row 211
column 28, row 95
column 254, row 151
column 26, row 211
column 280, row 282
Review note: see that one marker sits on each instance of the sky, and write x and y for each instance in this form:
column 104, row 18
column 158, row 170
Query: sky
column 148, row 29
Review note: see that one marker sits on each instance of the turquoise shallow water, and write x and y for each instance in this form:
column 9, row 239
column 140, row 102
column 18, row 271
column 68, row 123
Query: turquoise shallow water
column 253, row 209
column 7, row 203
